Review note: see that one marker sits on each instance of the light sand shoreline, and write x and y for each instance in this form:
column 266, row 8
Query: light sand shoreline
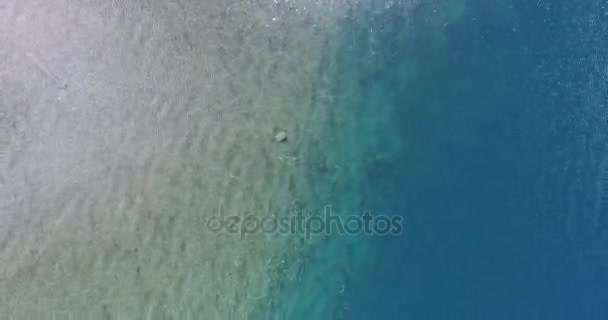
column 131, row 123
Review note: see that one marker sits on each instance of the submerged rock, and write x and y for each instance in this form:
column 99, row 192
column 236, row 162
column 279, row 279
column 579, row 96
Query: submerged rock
column 281, row 136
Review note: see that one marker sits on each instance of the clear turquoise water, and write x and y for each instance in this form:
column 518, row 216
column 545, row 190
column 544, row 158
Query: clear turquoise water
column 505, row 127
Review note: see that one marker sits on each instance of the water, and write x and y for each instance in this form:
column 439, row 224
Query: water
column 505, row 127
column 125, row 126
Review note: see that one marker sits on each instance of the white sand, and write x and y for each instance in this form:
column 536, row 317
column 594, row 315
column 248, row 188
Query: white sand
column 127, row 124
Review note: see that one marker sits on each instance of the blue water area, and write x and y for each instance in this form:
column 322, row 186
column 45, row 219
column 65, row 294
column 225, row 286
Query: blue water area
column 500, row 182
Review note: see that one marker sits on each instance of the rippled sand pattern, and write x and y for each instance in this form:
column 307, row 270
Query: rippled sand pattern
column 125, row 125
column 130, row 124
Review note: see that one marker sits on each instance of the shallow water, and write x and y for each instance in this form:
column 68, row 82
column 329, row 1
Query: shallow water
column 128, row 127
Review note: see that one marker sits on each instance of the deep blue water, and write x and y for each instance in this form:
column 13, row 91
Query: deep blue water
column 500, row 182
